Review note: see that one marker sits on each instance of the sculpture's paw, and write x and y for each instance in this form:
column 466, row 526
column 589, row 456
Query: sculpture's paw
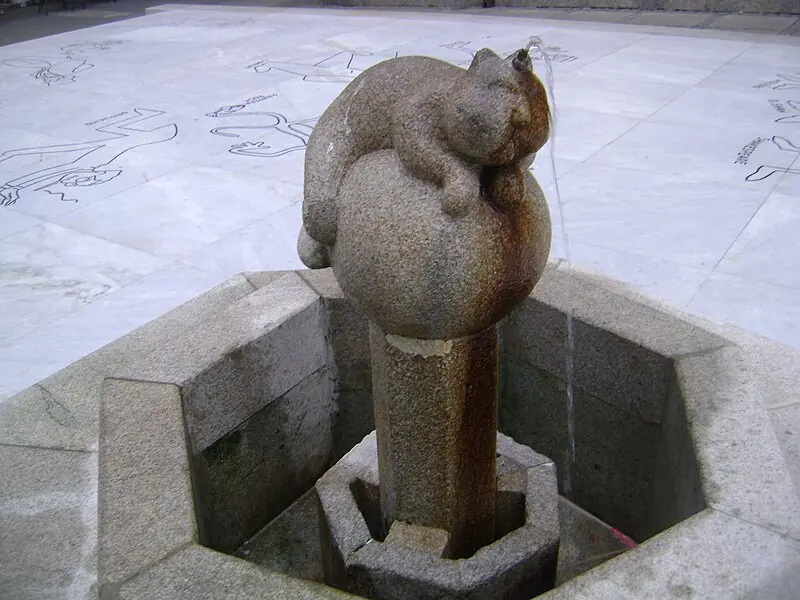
column 313, row 254
column 507, row 187
column 461, row 196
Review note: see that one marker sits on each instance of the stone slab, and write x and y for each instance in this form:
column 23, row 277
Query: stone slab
column 623, row 348
column 605, row 16
column 540, row 485
column 349, row 363
column 670, row 19
column 140, row 353
column 712, row 555
column 615, row 453
column 289, row 543
column 586, row 541
column 323, row 282
column 677, row 490
column 768, row 23
column 197, row 573
column 48, row 524
column 288, row 345
column 250, row 352
column 60, row 411
column 418, row 538
column 613, row 471
column 529, row 399
column 770, row 373
column 146, row 503
column 161, row 331
column 622, row 464
column 650, row 326
column 785, row 420
column 253, row 473
column 742, row 468
column 725, row 408
column 260, row 279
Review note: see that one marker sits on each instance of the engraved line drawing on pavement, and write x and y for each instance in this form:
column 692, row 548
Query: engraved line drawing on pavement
column 763, row 171
column 64, row 68
column 790, row 109
column 278, row 135
column 783, row 82
column 555, row 54
column 86, row 163
column 341, row 67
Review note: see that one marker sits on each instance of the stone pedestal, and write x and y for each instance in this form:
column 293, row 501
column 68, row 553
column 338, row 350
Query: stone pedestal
column 409, row 562
column 436, row 422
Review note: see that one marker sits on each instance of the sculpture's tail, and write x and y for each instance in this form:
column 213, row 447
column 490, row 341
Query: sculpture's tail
column 331, row 150
column 313, row 254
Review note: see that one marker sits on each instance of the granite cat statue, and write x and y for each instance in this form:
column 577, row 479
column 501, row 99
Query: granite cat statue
column 446, row 124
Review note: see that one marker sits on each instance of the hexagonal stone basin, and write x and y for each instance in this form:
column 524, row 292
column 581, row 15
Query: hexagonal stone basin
column 635, row 469
column 221, row 416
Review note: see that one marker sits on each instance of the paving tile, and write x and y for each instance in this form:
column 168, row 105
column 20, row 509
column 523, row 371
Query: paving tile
column 48, row 516
column 145, row 488
column 769, row 310
column 771, row 23
column 669, row 19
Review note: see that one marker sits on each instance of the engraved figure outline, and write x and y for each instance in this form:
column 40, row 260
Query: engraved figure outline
column 88, row 168
column 765, row 171
column 62, row 69
column 322, row 71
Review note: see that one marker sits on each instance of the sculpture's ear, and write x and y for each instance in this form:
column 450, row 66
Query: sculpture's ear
column 521, row 61
column 480, row 56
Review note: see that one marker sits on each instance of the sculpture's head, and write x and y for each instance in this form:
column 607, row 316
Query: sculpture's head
column 497, row 113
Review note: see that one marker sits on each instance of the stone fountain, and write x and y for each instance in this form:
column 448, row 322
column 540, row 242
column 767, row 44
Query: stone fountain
column 322, row 433
column 423, row 207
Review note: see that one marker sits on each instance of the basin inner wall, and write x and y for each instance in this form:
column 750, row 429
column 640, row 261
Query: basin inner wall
column 635, row 466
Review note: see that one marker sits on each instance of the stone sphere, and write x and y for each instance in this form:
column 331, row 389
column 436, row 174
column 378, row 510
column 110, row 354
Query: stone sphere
column 417, row 272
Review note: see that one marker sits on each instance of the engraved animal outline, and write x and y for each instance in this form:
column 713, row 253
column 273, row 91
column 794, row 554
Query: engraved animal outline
column 88, row 167
column 765, row 171
column 319, row 72
column 62, row 69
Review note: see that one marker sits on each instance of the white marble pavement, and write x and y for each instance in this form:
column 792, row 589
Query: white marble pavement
column 144, row 161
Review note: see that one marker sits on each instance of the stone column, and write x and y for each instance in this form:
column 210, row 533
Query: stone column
column 436, row 422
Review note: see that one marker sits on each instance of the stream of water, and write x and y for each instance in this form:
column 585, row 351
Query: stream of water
column 537, row 44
